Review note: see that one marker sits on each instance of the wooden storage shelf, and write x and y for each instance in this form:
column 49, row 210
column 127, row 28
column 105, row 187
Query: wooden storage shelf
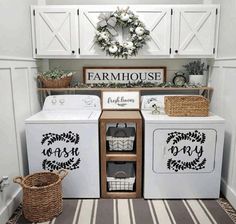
column 127, row 89
column 204, row 91
column 121, row 157
column 135, row 156
column 121, row 195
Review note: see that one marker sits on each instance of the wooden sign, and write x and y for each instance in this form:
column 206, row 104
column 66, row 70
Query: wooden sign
column 96, row 75
column 120, row 100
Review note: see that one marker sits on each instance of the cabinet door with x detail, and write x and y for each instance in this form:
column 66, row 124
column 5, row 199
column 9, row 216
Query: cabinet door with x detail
column 194, row 30
column 157, row 20
column 56, row 31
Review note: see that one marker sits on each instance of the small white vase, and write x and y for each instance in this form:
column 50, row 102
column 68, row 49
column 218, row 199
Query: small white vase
column 197, row 80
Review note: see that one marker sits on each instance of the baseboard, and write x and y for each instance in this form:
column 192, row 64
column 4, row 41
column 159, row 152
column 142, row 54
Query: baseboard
column 10, row 207
column 228, row 192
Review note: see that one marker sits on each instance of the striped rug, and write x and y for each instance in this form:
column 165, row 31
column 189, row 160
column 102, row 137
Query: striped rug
column 140, row 211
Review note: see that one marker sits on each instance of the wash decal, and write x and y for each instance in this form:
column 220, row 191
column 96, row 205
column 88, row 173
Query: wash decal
column 186, row 150
column 60, row 157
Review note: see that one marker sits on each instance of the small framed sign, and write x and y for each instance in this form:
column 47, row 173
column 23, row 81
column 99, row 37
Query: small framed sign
column 98, row 75
column 120, row 100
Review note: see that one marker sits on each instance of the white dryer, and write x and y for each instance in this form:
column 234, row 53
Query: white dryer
column 182, row 155
column 65, row 135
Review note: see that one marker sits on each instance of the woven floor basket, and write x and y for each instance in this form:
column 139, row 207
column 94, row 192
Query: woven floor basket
column 42, row 195
column 55, row 83
column 186, row 106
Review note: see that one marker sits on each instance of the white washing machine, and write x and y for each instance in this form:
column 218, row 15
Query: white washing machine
column 65, row 135
column 182, row 155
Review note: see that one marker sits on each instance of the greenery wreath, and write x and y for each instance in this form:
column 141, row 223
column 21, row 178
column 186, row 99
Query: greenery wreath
column 138, row 34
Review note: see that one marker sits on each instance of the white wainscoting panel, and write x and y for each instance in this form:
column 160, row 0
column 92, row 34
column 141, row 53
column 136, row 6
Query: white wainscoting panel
column 18, row 100
column 223, row 80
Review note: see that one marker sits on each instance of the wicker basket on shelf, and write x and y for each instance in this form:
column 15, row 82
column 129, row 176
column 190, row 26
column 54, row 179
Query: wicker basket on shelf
column 55, row 83
column 120, row 138
column 42, row 195
column 186, row 106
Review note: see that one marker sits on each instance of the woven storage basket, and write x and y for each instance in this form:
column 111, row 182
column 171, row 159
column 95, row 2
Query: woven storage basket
column 120, row 176
column 55, row 83
column 186, row 106
column 120, row 138
column 42, row 195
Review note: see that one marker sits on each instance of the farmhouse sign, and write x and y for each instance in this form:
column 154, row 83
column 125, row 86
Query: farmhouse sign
column 98, row 75
column 120, row 100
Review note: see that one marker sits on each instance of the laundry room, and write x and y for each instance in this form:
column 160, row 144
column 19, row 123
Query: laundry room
column 117, row 112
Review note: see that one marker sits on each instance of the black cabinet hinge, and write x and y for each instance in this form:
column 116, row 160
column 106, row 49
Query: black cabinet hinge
column 34, row 12
column 170, row 50
column 79, row 50
column 77, row 11
column 36, row 51
column 214, row 50
column 216, row 11
column 171, row 12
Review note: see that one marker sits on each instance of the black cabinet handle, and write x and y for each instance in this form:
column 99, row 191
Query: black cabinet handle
column 176, row 51
column 73, row 52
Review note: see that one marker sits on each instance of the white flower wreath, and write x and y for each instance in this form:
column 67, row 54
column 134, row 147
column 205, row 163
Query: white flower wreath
column 138, row 34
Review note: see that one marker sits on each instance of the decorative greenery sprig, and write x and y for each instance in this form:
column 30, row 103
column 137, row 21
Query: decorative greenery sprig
column 195, row 68
column 55, row 73
column 140, row 84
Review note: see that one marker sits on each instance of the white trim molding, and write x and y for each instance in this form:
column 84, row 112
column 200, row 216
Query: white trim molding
column 222, row 79
column 9, row 58
column 19, row 83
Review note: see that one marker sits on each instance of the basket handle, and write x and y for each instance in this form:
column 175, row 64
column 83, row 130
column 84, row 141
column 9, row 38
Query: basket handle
column 62, row 173
column 117, row 125
column 19, row 180
column 120, row 174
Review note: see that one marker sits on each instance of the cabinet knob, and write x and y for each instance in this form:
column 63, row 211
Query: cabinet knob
column 176, row 51
column 73, row 52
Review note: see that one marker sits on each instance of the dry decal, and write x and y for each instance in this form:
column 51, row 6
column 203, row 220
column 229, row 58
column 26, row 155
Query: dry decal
column 61, row 151
column 188, row 147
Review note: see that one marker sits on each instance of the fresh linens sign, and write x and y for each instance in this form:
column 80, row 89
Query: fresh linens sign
column 98, row 75
column 119, row 100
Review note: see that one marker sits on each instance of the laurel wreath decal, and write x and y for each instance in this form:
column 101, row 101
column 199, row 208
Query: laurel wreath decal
column 66, row 137
column 195, row 164
column 195, row 136
column 70, row 164
column 53, row 165
column 177, row 165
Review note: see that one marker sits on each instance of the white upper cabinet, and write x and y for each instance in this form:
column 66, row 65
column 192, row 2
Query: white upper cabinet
column 156, row 18
column 56, row 32
column 185, row 31
column 194, row 30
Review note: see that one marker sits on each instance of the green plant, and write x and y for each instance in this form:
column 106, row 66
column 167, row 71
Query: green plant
column 55, row 73
column 195, row 68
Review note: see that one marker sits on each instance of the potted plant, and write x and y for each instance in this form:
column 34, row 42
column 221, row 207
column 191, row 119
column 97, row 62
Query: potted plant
column 55, row 78
column 197, row 72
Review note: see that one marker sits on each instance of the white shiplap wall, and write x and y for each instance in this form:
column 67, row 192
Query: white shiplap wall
column 18, row 100
column 223, row 80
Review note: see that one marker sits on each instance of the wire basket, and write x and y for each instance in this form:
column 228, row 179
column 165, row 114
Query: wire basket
column 120, row 138
column 186, row 106
column 42, row 195
column 55, row 83
column 120, row 176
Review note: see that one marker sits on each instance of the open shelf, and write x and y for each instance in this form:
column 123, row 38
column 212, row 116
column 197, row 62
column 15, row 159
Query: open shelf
column 135, row 156
column 127, row 89
column 121, row 157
